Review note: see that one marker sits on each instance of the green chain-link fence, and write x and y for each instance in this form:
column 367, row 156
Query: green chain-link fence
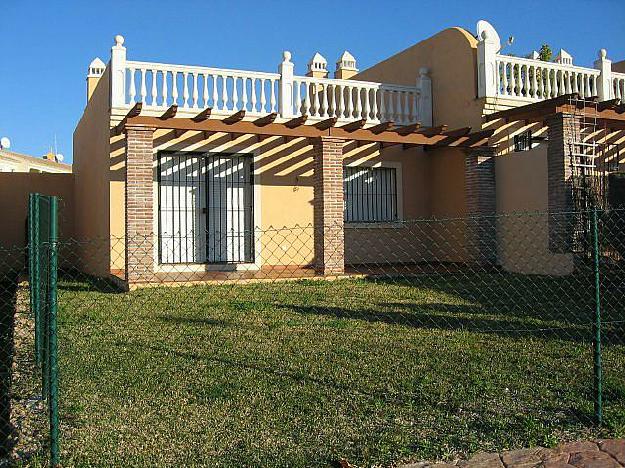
column 42, row 269
column 444, row 337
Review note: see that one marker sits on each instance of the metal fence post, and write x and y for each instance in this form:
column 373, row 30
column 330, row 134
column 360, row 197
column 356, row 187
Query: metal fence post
column 597, row 324
column 36, row 276
column 52, row 340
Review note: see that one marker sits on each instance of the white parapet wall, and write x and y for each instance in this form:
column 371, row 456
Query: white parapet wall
column 194, row 88
column 531, row 79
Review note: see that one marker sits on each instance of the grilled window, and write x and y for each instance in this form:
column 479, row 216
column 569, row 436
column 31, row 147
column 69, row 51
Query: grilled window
column 523, row 141
column 205, row 208
column 370, row 194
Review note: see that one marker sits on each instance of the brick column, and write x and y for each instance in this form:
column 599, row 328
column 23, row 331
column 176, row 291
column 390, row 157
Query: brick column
column 139, row 196
column 328, row 206
column 562, row 131
column 481, row 234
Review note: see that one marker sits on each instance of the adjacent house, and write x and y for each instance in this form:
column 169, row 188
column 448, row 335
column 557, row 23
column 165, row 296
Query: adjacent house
column 189, row 172
column 16, row 162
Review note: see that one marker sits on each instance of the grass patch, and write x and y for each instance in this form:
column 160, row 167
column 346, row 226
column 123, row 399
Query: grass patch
column 305, row 373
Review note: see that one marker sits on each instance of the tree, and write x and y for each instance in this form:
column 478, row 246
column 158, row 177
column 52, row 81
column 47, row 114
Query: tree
column 545, row 54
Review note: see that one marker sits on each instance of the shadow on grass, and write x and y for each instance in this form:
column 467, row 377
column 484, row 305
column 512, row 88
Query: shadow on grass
column 7, row 323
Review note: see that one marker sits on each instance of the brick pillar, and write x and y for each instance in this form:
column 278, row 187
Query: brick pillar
column 139, row 195
column 562, row 131
column 328, row 206
column 481, row 234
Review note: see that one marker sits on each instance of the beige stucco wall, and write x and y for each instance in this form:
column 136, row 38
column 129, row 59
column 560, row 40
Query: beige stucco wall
column 91, row 169
column 523, row 228
column 451, row 57
column 618, row 67
column 400, row 242
column 14, row 190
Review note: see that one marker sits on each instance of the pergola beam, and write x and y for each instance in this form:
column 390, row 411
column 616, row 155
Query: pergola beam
column 205, row 114
column 353, row 126
column 408, row 129
column 135, row 111
column 326, row 124
column 296, row 129
column 234, row 118
column 170, row 113
column 297, row 121
column 266, row 120
column 381, row 127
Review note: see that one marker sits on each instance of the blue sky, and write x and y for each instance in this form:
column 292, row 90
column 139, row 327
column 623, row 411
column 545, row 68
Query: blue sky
column 46, row 46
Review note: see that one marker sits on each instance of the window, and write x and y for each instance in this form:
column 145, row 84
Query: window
column 205, row 208
column 370, row 194
column 523, row 141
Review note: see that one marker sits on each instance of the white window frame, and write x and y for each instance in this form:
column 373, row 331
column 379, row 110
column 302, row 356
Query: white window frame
column 200, row 267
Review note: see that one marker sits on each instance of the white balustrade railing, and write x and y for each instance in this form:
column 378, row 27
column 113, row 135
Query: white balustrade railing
column 355, row 100
column 534, row 80
column 618, row 85
column 158, row 86
column 537, row 80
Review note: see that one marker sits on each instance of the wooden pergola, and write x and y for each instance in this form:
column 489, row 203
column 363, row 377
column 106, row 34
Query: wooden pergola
column 385, row 133
column 610, row 114
column 327, row 138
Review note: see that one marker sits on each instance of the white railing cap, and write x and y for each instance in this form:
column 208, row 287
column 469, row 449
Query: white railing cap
column 542, row 63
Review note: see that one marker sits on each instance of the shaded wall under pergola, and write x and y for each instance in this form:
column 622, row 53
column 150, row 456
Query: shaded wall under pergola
column 327, row 140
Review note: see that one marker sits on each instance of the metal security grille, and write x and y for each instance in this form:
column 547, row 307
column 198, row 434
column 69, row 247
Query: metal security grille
column 370, row 194
column 205, row 208
column 523, row 141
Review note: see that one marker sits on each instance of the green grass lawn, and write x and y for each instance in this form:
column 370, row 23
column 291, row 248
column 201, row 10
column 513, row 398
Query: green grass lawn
column 306, row 373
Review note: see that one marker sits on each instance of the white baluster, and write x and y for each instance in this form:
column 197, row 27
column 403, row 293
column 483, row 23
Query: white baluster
column 574, row 78
column 244, row 93
column 366, row 112
column 513, row 83
column 562, row 89
column 164, row 88
column 383, row 114
column 144, row 91
column 350, row 102
column 185, row 89
column 307, row 98
column 298, row 97
column 374, row 107
column 224, row 92
column 235, row 94
column 526, row 85
column 263, row 99
column 131, row 86
column 215, row 93
column 332, row 102
column 534, row 88
column 272, row 98
column 358, row 97
column 253, row 91
column 415, row 111
column 505, row 79
column 174, row 87
column 407, row 106
column 323, row 108
column 400, row 110
column 391, row 104
column 205, row 91
column 340, row 111
column 154, row 90
column 196, row 94
column 547, row 84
